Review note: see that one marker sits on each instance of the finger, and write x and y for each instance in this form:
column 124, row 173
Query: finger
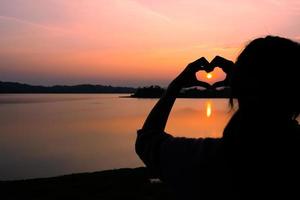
column 209, row 68
column 203, row 84
column 217, row 62
column 223, row 63
column 199, row 64
column 220, row 84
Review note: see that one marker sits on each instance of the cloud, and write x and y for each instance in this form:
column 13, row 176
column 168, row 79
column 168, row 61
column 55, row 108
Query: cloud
column 149, row 11
column 37, row 25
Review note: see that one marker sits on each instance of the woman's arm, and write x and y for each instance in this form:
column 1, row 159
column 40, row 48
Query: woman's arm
column 163, row 154
column 158, row 117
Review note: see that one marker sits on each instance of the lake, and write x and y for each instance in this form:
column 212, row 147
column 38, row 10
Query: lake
column 44, row 135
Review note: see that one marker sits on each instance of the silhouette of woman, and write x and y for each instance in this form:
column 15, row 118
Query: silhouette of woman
column 257, row 157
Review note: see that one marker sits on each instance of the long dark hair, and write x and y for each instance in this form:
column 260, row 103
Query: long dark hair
column 267, row 72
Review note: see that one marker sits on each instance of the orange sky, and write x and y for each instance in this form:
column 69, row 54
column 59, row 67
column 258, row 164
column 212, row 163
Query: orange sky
column 130, row 42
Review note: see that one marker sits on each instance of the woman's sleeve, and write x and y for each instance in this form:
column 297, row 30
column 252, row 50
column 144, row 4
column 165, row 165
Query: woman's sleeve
column 148, row 147
column 172, row 158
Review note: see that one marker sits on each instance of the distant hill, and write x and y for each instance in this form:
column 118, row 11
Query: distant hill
column 141, row 92
column 14, row 87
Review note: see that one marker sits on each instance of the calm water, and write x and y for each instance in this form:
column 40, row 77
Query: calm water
column 43, row 135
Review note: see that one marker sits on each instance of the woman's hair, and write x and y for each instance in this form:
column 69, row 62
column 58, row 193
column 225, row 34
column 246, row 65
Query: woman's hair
column 266, row 73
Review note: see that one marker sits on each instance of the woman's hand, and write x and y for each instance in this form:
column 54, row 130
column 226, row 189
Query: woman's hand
column 187, row 78
column 226, row 66
column 158, row 116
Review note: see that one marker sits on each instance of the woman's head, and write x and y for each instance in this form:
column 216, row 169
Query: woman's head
column 266, row 76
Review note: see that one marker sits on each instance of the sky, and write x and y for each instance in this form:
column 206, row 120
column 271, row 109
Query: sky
column 130, row 42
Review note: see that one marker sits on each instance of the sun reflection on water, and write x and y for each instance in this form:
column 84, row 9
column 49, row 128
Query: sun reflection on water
column 208, row 109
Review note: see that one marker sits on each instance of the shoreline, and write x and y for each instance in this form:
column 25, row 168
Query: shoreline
column 133, row 183
column 179, row 97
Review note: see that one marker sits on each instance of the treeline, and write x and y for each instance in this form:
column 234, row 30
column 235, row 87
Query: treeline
column 14, row 87
column 153, row 91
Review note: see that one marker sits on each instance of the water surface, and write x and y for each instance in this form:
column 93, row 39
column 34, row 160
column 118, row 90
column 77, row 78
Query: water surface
column 44, row 135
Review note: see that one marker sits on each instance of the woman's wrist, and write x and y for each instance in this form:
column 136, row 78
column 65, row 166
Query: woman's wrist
column 173, row 88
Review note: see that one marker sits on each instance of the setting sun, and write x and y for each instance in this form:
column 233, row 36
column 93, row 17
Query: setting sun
column 209, row 76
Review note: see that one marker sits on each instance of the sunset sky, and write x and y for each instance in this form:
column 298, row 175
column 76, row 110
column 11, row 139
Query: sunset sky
column 130, row 42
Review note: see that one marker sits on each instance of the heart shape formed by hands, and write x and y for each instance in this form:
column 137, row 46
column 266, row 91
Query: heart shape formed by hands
column 211, row 77
column 218, row 65
column 188, row 78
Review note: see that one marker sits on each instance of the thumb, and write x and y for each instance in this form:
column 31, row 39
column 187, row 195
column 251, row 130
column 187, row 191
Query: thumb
column 203, row 84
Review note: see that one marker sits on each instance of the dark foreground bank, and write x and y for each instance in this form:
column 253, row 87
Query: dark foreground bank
column 111, row 184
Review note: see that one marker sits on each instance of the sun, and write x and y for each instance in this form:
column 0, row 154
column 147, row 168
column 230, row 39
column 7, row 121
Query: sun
column 209, row 76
